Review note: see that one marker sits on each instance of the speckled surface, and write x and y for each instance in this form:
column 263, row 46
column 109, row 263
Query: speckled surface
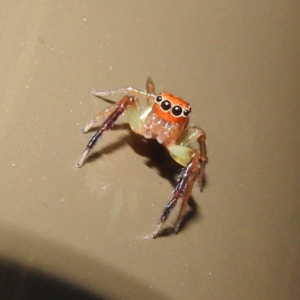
column 68, row 232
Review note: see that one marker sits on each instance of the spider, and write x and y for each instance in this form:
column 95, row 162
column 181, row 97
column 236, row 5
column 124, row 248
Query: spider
column 164, row 118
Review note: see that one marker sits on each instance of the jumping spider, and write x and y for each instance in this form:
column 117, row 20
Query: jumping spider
column 165, row 118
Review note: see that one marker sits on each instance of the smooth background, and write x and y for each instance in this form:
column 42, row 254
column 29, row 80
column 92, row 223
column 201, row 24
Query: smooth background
column 84, row 232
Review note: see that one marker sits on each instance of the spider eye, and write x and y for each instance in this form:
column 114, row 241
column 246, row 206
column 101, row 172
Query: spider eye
column 186, row 112
column 165, row 105
column 158, row 99
column 176, row 111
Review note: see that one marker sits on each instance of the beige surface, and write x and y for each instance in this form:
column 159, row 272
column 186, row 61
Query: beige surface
column 237, row 63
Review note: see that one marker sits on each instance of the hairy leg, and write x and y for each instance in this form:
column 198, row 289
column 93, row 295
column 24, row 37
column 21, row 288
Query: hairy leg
column 118, row 109
column 182, row 190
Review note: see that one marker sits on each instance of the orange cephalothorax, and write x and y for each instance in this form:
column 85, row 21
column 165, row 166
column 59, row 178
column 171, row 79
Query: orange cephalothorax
column 171, row 108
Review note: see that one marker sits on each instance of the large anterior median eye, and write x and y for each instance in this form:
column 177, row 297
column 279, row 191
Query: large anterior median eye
column 176, row 111
column 165, row 105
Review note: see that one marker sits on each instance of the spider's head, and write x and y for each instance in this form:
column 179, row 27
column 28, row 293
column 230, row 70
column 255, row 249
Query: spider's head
column 171, row 108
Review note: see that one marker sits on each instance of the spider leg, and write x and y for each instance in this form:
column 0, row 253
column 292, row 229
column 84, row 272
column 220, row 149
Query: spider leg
column 186, row 194
column 129, row 90
column 150, row 88
column 182, row 190
column 192, row 134
column 203, row 157
column 95, row 122
column 113, row 114
column 194, row 162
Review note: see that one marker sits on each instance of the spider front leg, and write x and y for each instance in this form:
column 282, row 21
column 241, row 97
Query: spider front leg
column 194, row 163
column 128, row 103
column 98, row 119
column 149, row 93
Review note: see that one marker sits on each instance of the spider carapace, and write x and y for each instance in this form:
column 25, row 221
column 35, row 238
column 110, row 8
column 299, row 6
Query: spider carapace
column 164, row 117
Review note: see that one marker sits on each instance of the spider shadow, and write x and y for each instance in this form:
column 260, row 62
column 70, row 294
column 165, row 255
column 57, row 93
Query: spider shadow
column 157, row 157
